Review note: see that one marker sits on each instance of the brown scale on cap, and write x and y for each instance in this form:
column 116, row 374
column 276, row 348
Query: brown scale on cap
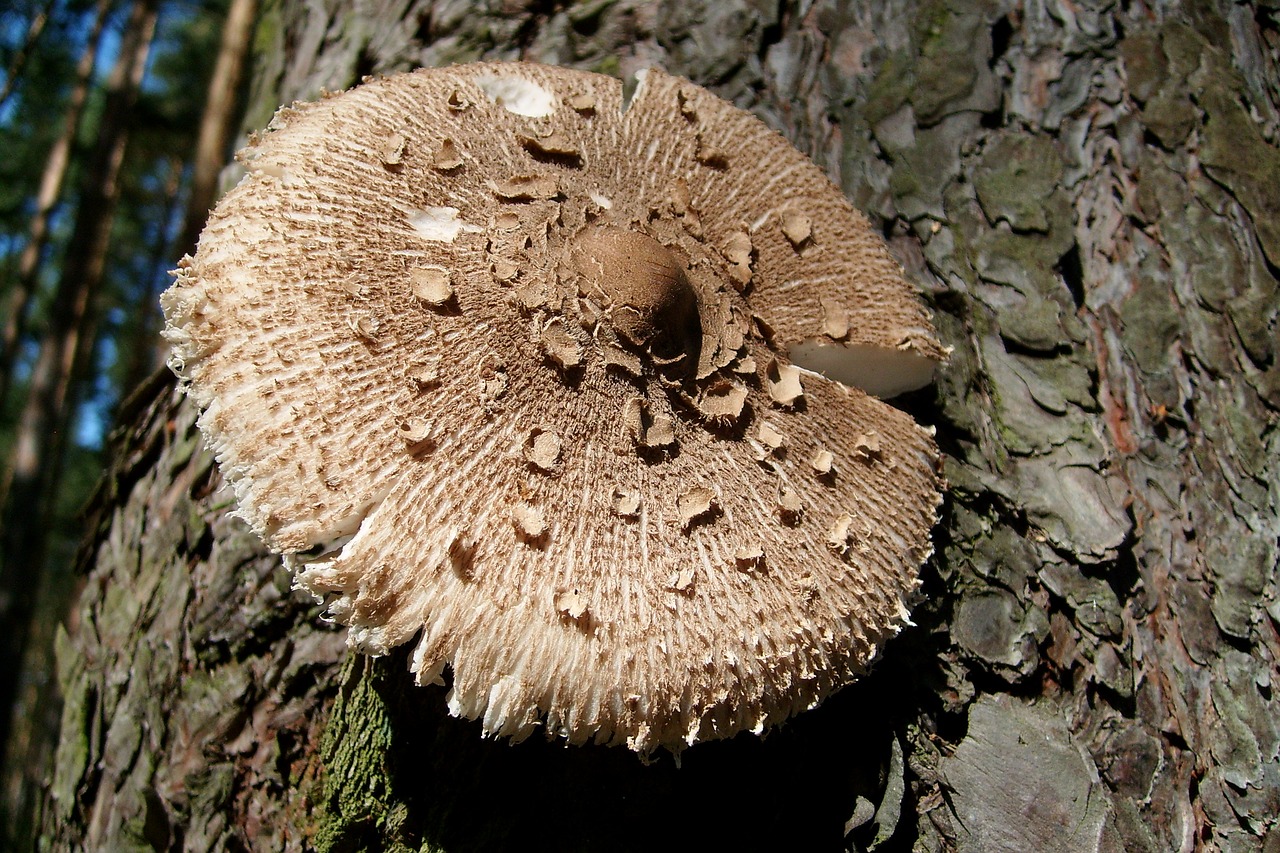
column 512, row 374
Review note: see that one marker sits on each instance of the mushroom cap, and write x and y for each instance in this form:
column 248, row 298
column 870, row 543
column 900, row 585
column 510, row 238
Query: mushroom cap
column 500, row 362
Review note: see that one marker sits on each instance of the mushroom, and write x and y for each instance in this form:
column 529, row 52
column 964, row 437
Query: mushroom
column 526, row 394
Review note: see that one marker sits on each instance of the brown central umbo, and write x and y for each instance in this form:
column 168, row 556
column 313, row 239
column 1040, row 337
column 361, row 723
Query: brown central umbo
column 642, row 285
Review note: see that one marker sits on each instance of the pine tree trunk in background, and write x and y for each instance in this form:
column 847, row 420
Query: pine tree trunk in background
column 217, row 122
column 147, row 351
column 144, row 351
column 1086, row 193
column 18, row 63
column 50, row 191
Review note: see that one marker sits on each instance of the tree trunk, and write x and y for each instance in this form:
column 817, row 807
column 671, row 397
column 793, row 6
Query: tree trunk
column 143, row 350
column 18, row 63
column 1085, row 192
column 218, row 120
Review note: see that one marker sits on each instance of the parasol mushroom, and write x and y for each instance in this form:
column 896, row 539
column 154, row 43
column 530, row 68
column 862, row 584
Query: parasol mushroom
column 503, row 363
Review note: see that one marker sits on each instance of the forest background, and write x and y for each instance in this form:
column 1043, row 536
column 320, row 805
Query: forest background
column 116, row 117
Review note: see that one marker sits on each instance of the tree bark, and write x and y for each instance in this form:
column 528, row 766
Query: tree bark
column 1085, row 192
